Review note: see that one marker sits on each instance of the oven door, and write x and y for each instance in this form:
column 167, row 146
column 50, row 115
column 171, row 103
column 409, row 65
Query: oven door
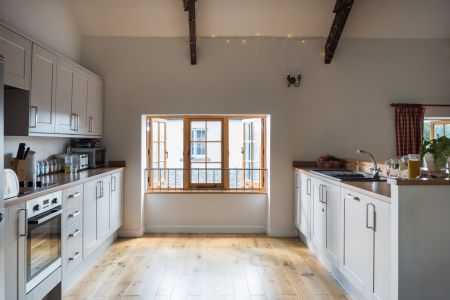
column 43, row 246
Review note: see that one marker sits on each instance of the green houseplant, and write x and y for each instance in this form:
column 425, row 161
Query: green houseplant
column 440, row 148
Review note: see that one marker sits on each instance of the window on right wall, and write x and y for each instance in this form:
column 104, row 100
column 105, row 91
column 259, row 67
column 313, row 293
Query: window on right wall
column 434, row 129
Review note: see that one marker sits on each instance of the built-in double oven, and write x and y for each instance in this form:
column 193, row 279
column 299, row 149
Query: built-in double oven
column 43, row 246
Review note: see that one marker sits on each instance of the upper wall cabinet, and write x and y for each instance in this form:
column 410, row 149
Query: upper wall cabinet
column 65, row 119
column 95, row 105
column 17, row 53
column 43, row 91
column 80, row 101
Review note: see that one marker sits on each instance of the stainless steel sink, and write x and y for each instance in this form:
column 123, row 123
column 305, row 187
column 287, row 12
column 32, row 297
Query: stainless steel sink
column 347, row 175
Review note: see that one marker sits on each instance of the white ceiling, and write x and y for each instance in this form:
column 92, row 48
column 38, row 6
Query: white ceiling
column 305, row 18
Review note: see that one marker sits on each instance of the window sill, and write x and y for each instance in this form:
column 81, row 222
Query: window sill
column 206, row 192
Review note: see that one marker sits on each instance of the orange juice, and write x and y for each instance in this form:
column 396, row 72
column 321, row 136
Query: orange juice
column 413, row 168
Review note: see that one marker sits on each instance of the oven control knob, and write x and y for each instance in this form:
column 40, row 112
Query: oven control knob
column 36, row 207
column 55, row 201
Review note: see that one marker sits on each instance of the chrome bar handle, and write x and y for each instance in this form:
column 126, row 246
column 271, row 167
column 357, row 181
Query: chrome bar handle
column 308, row 186
column 350, row 196
column 74, row 214
column 78, row 122
column 75, row 233
column 113, row 183
column 35, row 115
column 75, row 256
column 75, row 195
column 25, row 222
column 367, row 216
column 72, row 122
column 90, row 124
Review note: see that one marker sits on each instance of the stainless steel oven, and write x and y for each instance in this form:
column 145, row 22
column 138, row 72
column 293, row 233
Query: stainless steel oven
column 43, row 254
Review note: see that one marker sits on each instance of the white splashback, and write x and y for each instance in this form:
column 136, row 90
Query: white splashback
column 44, row 147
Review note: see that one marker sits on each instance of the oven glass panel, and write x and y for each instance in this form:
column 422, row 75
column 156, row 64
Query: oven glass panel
column 44, row 245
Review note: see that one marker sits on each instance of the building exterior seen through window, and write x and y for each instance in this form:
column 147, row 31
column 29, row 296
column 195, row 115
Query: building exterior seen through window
column 206, row 153
column 434, row 129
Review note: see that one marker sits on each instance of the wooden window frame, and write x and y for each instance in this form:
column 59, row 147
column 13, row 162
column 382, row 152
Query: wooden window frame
column 437, row 122
column 224, row 186
column 150, row 144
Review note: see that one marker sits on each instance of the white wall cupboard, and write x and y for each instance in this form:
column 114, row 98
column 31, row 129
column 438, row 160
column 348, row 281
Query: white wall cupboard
column 65, row 99
column 43, row 90
column 17, row 53
column 350, row 232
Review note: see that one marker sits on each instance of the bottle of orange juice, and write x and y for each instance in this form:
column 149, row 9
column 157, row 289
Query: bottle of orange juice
column 413, row 166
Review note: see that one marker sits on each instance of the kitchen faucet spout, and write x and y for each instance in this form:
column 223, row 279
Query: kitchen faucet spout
column 375, row 170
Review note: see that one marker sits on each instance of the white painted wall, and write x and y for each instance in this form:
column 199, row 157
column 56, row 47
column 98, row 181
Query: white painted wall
column 48, row 21
column 224, row 213
column 339, row 107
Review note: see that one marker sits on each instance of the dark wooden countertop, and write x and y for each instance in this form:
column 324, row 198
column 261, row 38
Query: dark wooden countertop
column 379, row 190
column 63, row 181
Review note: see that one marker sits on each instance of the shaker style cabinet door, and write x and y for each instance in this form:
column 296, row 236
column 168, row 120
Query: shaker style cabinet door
column 95, row 106
column 92, row 191
column 65, row 119
column 116, row 200
column 43, row 91
column 358, row 242
column 103, row 209
column 319, row 215
column 331, row 195
column 305, row 205
column 17, row 53
column 80, row 101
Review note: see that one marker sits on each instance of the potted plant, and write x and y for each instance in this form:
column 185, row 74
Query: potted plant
column 440, row 148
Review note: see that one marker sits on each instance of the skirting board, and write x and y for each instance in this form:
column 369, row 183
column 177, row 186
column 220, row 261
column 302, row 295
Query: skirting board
column 131, row 233
column 205, row 229
column 282, row 232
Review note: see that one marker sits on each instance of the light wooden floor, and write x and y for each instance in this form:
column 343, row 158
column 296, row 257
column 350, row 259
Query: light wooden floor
column 194, row 266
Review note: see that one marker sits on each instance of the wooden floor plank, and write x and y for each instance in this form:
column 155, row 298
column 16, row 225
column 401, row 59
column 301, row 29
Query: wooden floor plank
column 207, row 266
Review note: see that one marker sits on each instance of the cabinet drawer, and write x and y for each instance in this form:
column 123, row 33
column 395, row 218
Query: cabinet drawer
column 73, row 196
column 74, row 245
column 73, row 214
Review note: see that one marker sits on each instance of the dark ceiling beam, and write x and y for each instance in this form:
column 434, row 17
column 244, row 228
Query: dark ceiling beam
column 189, row 6
column 342, row 10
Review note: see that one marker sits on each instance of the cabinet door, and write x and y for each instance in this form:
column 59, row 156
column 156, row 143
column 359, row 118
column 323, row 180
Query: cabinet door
column 103, row 208
column 319, row 211
column 116, row 200
column 80, row 101
column 297, row 190
column 305, row 205
column 15, row 245
column 331, row 195
column 65, row 120
column 95, row 106
column 91, row 194
column 17, row 53
column 358, row 242
column 382, row 247
column 43, row 91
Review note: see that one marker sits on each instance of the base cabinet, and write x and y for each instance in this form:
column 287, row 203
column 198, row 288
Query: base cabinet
column 305, row 205
column 116, row 210
column 333, row 238
column 319, row 212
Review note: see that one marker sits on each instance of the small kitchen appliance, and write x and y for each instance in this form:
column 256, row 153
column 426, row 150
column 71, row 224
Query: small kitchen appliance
column 97, row 157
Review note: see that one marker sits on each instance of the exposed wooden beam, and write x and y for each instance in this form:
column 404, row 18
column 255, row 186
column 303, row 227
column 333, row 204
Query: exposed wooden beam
column 342, row 10
column 189, row 6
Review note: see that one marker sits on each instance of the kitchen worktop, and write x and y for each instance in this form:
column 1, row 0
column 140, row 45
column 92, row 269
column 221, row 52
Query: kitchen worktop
column 63, row 181
column 380, row 190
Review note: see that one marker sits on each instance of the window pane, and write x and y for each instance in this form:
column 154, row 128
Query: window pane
column 214, row 130
column 196, row 127
column 155, row 152
column 162, row 152
column 198, row 151
column 247, row 127
column 256, row 131
column 447, row 130
column 438, row 130
column 198, row 173
column 162, row 131
column 256, row 155
column 214, row 152
column 155, row 130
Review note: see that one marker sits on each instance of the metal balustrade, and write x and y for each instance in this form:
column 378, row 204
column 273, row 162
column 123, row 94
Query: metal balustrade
column 206, row 179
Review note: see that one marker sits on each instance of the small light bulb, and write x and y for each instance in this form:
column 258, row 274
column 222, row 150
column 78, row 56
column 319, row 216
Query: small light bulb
column 213, row 35
column 289, row 36
column 258, row 34
column 243, row 41
column 227, row 41
column 303, row 41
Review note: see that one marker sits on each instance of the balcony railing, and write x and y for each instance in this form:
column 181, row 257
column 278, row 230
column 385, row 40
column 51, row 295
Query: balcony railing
column 206, row 179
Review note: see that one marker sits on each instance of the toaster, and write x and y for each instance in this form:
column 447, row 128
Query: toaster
column 11, row 184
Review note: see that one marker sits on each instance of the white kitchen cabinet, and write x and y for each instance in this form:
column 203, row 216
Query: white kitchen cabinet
column 17, row 53
column 91, row 191
column 65, row 122
column 297, row 197
column 15, row 246
column 358, row 242
column 43, row 91
column 382, row 248
column 116, row 200
column 305, row 205
column 319, row 212
column 95, row 105
column 333, row 245
column 80, row 101
column 104, row 208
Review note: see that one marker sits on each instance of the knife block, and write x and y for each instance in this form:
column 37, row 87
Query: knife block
column 18, row 166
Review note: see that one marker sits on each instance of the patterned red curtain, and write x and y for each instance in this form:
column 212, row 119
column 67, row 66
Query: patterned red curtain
column 409, row 119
